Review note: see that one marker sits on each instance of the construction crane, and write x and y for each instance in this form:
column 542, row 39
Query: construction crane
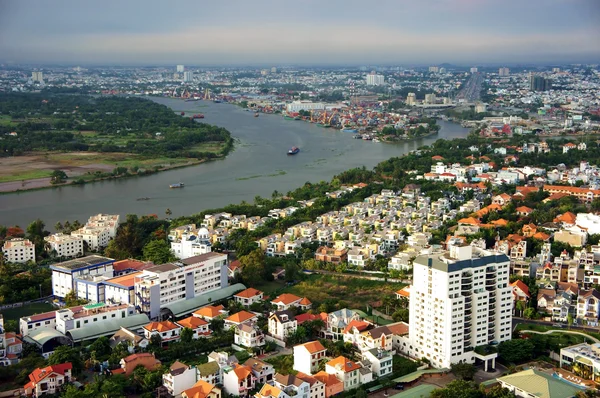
column 335, row 112
column 206, row 94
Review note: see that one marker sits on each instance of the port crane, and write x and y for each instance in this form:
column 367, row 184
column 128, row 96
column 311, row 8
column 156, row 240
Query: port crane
column 207, row 95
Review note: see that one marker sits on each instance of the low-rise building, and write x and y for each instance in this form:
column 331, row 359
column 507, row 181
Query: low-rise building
column 292, row 385
column 65, row 273
column 131, row 339
column 380, row 360
column 333, row 386
column 238, row 318
column 199, row 326
column 202, row 389
column 331, row 255
column 18, row 250
column 249, row 335
column 238, row 380
column 286, row 300
column 346, row 371
column 74, row 318
column 179, row 377
column 533, row 383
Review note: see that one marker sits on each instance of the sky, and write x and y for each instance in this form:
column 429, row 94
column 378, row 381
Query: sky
column 308, row 32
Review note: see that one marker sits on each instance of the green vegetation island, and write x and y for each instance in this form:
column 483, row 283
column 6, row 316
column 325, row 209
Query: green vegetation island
column 57, row 139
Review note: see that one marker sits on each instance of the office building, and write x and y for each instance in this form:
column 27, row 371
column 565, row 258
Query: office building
column 374, row 79
column 188, row 77
column 65, row 274
column 37, row 77
column 18, row 250
column 434, row 69
column 64, row 245
column 460, row 299
column 539, row 83
column 411, row 99
column 502, row 72
column 180, row 68
column 555, row 70
column 274, row 69
column 474, row 69
column 165, row 284
column 297, row 106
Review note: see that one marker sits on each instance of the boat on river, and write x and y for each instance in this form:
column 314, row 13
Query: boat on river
column 256, row 114
column 350, row 130
column 293, row 150
column 177, row 185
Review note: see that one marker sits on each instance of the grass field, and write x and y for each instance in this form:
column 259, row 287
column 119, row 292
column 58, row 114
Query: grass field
column 213, row 147
column 25, row 175
column 34, row 308
column 349, row 292
column 6, row 121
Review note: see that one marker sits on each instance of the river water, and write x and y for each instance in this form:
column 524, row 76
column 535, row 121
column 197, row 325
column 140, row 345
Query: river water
column 258, row 165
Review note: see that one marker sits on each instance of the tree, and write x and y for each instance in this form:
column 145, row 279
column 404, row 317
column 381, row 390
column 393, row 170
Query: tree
column 253, row 267
column 159, row 252
column 457, row 389
column 72, row 300
column 520, row 307
column 101, row 347
column 58, row 177
column 64, row 354
column 570, row 320
column 499, row 392
column 516, row 351
column 36, row 233
column 529, row 313
column 401, row 315
column 187, row 335
column 168, row 212
column 464, row 371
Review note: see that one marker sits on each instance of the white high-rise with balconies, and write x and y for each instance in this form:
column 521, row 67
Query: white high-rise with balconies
column 460, row 299
column 373, row 79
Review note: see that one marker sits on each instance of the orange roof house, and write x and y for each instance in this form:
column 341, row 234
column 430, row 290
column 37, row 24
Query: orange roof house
column 343, row 364
column 566, row 218
column 129, row 363
column 333, row 386
column 499, row 223
column 469, row 220
column 202, row 389
column 524, row 210
column 437, row 157
column 359, row 325
column 211, row 311
column 48, row 380
column 240, row 317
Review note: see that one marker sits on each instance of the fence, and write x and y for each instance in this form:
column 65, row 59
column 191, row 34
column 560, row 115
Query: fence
column 24, row 303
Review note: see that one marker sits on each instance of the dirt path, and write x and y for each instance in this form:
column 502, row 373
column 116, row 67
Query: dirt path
column 25, row 185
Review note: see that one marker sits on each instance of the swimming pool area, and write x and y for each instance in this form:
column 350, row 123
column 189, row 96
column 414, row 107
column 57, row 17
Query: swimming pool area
column 574, row 384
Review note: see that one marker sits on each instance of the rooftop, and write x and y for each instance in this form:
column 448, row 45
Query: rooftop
column 83, row 262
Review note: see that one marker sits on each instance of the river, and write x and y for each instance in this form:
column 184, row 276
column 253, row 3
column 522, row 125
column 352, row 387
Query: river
column 258, row 165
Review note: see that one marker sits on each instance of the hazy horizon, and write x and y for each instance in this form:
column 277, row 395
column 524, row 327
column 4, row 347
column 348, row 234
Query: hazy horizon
column 382, row 32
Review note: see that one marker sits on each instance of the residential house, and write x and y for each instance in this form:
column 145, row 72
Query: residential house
column 588, row 307
column 129, row 363
column 210, row 372
column 270, row 391
column 202, row 389
column 211, row 311
column 293, row 386
column 179, row 377
column 262, row 371
column 248, row 297
column 534, row 383
column 199, row 326
column 167, row 330
column 249, row 335
column 333, row 386
column 520, row 293
column 317, row 387
column 307, row 356
column 286, row 300
column 337, row 322
column 238, row 380
column 131, row 339
column 346, row 371
column 380, row 360
column 282, row 324
column 240, row 317
column 331, row 255
column 48, row 380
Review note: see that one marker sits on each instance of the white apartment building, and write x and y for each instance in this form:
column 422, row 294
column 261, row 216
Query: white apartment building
column 374, row 79
column 168, row 283
column 98, row 230
column 460, row 299
column 180, row 377
column 180, row 68
column 188, row 76
column 18, row 250
column 65, row 273
column 65, row 245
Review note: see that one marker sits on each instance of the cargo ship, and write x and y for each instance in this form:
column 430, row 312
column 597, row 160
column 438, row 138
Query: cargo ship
column 294, row 150
column 177, row 185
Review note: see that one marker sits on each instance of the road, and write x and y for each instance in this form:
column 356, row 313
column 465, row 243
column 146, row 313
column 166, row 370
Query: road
column 517, row 321
column 587, row 336
column 472, row 89
column 359, row 276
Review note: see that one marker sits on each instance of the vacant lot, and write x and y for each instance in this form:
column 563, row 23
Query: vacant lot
column 33, row 170
column 349, row 292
